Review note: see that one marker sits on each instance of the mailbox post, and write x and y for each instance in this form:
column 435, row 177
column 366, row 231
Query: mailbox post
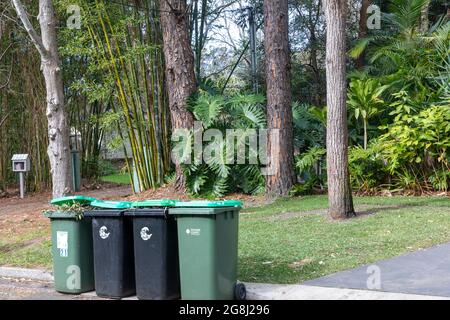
column 21, row 164
column 75, row 144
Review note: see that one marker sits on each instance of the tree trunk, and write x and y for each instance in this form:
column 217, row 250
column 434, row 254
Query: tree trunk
column 317, row 99
column 314, row 44
column 179, row 61
column 200, row 41
column 57, row 115
column 362, row 33
column 339, row 188
column 424, row 21
column 279, row 112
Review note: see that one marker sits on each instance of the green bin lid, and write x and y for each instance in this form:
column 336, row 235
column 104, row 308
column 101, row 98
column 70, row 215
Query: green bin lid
column 70, row 200
column 208, row 204
column 154, row 203
column 111, row 204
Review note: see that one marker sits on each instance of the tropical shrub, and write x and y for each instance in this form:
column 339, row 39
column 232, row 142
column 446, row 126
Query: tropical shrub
column 214, row 176
column 416, row 147
column 309, row 167
column 367, row 168
column 309, row 126
column 364, row 100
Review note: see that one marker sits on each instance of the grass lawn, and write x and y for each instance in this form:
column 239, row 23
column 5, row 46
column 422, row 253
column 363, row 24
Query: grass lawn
column 292, row 240
column 120, row 178
column 29, row 249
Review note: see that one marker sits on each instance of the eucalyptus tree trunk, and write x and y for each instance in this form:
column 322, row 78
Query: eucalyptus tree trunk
column 424, row 21
column 279, row 111
column 179, row 62
column 362, row 32
column 200, row 42
column 339, row 188
column 57, row 115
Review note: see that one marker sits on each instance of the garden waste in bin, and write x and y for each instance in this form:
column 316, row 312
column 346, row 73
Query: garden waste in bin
column 113, row 249
column 73, row 266
column 155, row 250
column 208, row 247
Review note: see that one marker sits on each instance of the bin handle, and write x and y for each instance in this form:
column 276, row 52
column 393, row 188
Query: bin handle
column 166, row 212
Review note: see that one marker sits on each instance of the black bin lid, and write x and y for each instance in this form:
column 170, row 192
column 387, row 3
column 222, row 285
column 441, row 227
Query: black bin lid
column 147, row 212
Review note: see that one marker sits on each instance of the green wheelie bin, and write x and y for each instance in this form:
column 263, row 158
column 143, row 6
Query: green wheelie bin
column 208, row 249
column 73, row 265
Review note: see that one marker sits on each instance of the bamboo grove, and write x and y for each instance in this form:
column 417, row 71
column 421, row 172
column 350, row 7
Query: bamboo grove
column 113, row 77
column 125, row 56
column 23, row 124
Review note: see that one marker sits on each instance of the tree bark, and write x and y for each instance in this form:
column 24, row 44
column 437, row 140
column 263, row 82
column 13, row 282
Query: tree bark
column 179, row 62
column 362, row 33
column 312, row 25
column 339, row 188
column 424, row 21
column 200, row 41
column 281, row 175
column 57, row 115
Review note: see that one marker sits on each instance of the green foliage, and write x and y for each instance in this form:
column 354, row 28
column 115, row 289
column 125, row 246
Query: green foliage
column 75, row 208
column 114, row 69
column 405, row 14
column 207, row 108
column 365, row 102
column 309, row 167
column 309, row 126
column 367, row 169
column 411, row 70
column 364, row 98
column 421, row 139
column 303, row 189
column 213, row 175
column 106, row 168
column 308, row 159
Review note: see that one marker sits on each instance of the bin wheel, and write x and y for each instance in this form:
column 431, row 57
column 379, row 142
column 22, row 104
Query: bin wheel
column 240, row 292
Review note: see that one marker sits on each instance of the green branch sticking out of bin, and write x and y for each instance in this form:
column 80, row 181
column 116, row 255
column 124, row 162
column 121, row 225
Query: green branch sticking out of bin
column 73, row 206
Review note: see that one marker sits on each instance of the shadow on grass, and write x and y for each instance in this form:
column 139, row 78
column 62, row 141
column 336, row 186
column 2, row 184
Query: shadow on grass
column 11, row 247
column 264, row 270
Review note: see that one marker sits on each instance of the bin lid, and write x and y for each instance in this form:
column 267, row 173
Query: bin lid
column 104, row 212
column 61, row 215
column 147, row 212
column 111, row 204
column 154, row 203
column 70, row 200
column 208, row 204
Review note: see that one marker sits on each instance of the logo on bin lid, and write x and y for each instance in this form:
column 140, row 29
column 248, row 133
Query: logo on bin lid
column 193, row 232
column 145, row 233
column 103, row 232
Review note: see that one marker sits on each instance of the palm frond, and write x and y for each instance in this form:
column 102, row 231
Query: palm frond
column 255, row 114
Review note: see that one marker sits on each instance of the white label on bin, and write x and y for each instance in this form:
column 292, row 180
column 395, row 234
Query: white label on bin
column 62, row 242
column 103, row 232
column 145, row 233
column 193, row 232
